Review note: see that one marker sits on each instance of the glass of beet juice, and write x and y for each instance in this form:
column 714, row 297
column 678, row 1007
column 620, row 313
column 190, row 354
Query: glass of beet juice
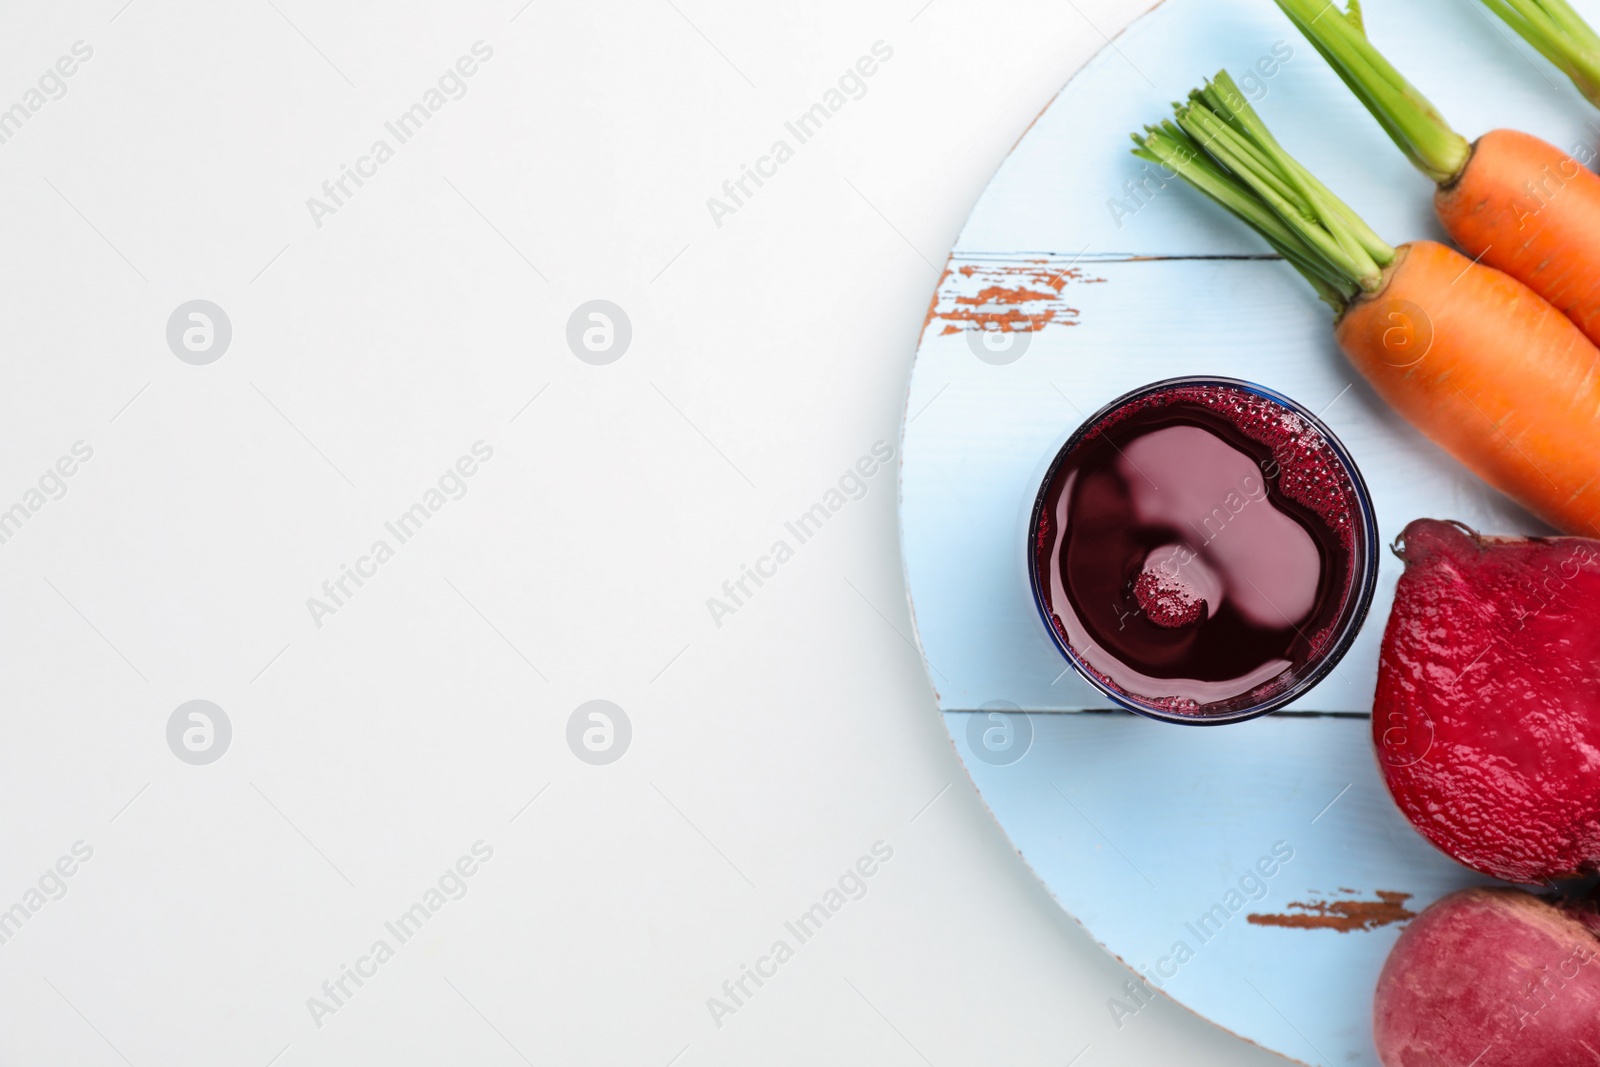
column 1203, row 550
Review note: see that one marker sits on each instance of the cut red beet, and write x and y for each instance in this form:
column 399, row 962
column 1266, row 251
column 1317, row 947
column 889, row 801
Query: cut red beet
column 1487, row 716
column 1492, row 977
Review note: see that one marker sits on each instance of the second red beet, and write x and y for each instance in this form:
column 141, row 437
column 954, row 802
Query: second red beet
column 1487, row 715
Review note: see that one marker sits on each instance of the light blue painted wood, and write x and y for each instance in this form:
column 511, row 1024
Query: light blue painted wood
column 1140, row 828
column 1103, row 802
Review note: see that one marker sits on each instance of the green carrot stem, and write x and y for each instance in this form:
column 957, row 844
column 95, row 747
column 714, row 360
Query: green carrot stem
column 1304, row 217
column 1241, row 157
column 1352, row 15
column 1224, row 97
column 1219, row 145
column 1173, row 149
column 1560, row 35
column 1413, row 123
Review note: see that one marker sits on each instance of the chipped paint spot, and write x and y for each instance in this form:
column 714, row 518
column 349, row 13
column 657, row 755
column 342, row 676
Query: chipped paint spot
column 1010, row 297
column 1343, row 915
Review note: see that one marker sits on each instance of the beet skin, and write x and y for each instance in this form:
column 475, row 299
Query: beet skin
column 1487, row 715
column 1493, row 978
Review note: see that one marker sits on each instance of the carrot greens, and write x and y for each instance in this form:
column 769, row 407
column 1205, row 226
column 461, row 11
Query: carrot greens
column 1560, row 35
column 1404, row 113
column 1217, row 143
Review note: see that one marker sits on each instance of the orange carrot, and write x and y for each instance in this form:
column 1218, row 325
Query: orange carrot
column 1472, row 357
column 1509, row 199
column 1525, row 207
column 1491, row 372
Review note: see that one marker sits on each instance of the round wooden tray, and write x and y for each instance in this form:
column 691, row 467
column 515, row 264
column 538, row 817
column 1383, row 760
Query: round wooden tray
column 1079, row 276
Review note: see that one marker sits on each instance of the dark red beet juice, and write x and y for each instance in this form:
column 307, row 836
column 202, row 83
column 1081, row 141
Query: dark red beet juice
column 1203, row 549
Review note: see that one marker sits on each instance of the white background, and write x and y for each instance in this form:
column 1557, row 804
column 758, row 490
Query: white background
column 369, row 753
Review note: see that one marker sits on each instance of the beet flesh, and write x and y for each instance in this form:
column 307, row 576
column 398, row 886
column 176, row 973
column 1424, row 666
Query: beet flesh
column 1487, row 716
column 1492, row 978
